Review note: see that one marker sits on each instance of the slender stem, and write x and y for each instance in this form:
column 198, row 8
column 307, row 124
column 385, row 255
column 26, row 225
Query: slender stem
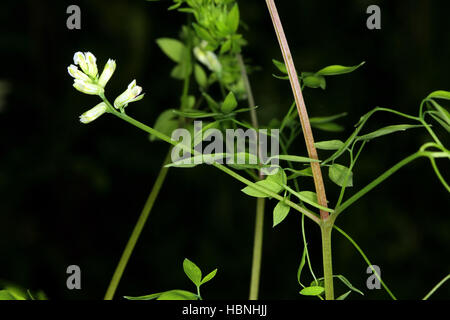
column 326, row 223
column 260, row 202
column 301, row 108
column 248, row 88
column 326, row 228
column 436, row 287
column 137, row 230
column 257, row 250
column 311, row 215
column 365, row 259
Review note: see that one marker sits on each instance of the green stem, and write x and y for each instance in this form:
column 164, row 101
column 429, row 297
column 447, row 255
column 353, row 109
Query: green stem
column 257, row 249
column 325, row 228
column 436, row 287
column 365, row 259
column 137, row 231
column 386, row 175
column 311, row 215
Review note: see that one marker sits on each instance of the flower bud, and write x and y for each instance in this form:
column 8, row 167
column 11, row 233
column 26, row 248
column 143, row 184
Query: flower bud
column 107, row 73
column 209, row 59
column 92, row 64
column 130, row 95
column 77, row 74
column 93, row 113
column 87, row 87
column 79, row 59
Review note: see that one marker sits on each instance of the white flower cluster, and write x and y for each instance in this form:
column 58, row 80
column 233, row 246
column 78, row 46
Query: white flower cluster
column 88, row 81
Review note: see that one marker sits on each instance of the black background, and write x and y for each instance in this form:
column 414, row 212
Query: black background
column 71, row 193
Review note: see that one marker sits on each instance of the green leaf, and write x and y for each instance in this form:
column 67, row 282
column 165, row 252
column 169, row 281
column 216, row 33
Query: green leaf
column 436, row 116
column 178, row 295
column 337, row 69
column 233, row 18
column 209, row 276
column 319, row 120
column 347, row 283
column 338, row 174
column 307, row 172
column 312, row 291
column 343, row 296
column 329, row 145
column 200, row 76
column 192, row 271
column 146, row 297
column 311, row 196
column 194, row 114
column 307, row 198
column 330, row 126
column 443, row 113
column 273, row 183
column 439, row 94
column 230, row 103
column 302, row 264
column 280, row 212
column 280, row 66
column 165, row 123
column 315, row 82
column 204, row 34
column 213, row 105
column 173, row 48
column 6, row 295
column 387, row 130
column 226, row 46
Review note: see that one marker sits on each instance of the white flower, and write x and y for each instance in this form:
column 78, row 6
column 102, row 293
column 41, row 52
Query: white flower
column 208, row 58
column 87, row 87
column 77, row 74
column 87, row 63
column 130, row 95
column 108, row 71
column 93, row 113
column 79, row 59
column 92, row 64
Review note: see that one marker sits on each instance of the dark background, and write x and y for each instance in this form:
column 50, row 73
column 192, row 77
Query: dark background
column 71, row 193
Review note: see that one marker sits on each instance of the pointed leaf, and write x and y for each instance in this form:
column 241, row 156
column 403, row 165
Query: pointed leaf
column 233, row 18
column 387, row 130
column 315, row 82
column 329, row 145
column 200, row 76
column 209, row 276
column 230, row 103
column 312, row 291
column 338, row 174
column 192, row 271
column 178, row 295
column 173, row 48
column 280, row 66
column 343, row 296
column 439, row 94
column 280, row 212
column 337, row 69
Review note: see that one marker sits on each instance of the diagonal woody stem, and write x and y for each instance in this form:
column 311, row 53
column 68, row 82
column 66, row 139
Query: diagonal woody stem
column 301, row 108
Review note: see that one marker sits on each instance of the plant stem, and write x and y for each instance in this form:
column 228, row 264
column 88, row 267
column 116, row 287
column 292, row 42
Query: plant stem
column 260, row 202
column 326, row 223
column 137, row 230
column 436, row 287
column 257, row 249
column 301, row 108
column 325, row 228
column 311, row 215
